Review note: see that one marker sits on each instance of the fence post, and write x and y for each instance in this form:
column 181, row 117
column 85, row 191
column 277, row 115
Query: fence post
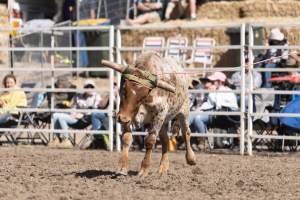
column 119, row 60
column 111, row 88
column 250, row 90
column 242, row 116
column 52, row 107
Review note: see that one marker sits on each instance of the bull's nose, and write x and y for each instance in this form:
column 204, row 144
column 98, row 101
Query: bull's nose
column 123, row 118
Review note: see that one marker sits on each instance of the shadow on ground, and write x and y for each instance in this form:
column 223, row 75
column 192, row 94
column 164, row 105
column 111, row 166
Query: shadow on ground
column 102, row 173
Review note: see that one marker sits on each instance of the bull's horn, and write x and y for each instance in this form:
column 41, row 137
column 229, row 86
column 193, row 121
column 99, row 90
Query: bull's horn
column 165, row 85
column 115, row 66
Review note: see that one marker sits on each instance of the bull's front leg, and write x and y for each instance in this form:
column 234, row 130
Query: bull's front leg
column 123, row 161
column 150, row 142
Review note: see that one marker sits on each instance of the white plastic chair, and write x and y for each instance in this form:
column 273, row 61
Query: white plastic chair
column 175, row 44
column 154, row 44
column 204, row 54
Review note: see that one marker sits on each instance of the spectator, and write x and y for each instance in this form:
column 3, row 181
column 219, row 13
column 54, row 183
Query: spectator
column 213, row 101
column 279, row 56
column 195, row 98
column 293, row 60
column 63, row 120
column 62, row 99
column 100, row 120
column 178, row 9
column 87, row 10
column 148, row 11
column 236, row 78
column 10, row 99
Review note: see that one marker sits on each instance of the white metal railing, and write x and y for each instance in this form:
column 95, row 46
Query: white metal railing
column 52, row 69
column 119, row 49
column 251, row 91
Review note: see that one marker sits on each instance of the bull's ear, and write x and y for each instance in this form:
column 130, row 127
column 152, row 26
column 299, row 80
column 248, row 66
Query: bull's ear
column 166, row 86
column 115, row 66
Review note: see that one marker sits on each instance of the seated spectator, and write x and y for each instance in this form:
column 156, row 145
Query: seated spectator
column 63, row 99
column 236, row 79
column 10, row 99
column 213, row 101
column 99, row 119
column 195, row 98
column 177, row 9
column 279, row 56
column 293, row 61
column 63, row 120
column 148, row 11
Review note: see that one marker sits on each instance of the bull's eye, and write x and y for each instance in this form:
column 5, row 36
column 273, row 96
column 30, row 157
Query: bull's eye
column 124, row 94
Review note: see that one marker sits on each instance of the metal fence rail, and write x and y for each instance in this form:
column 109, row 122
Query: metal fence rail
column 250, row 113
column 52, row 69
column 115, row 50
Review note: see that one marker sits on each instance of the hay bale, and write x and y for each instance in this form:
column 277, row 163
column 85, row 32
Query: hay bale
column 249, row 9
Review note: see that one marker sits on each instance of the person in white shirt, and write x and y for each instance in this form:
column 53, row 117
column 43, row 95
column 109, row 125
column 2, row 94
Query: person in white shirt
column 236, row 79
column 214, row 101
column 87, row 100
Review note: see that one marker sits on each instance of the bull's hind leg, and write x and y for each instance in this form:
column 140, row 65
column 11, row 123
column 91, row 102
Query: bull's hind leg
column 123, row 161
column 164, row 139
column 186, row 133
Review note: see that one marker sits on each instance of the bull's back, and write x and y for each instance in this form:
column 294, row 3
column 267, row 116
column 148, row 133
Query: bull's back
column 166, row 69
column 170, row 71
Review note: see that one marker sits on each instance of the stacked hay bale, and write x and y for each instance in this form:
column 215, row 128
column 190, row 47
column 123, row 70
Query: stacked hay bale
column 4, row 36
column 243, row 11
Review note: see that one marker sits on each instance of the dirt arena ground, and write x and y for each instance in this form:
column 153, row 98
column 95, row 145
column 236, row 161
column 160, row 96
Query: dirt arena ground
column 30, row 172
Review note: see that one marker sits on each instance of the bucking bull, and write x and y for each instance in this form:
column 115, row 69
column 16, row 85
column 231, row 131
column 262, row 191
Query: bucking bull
column 163, row 97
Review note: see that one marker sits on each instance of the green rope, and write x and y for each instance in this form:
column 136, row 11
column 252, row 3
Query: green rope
column 149, row 80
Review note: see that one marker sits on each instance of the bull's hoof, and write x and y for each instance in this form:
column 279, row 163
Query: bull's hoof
column 190, row 158
column 164, row 167
column 123, row 172
column 191, row 162
column 162, row 171
column 143, row 173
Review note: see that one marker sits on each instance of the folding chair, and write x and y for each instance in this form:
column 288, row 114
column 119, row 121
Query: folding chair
column 27, row 119
column 87, row 139
column 203, row 55
column 174, row 50
column 262, row 125
column 82, row 123
column 153, row 44
column 223, row 124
